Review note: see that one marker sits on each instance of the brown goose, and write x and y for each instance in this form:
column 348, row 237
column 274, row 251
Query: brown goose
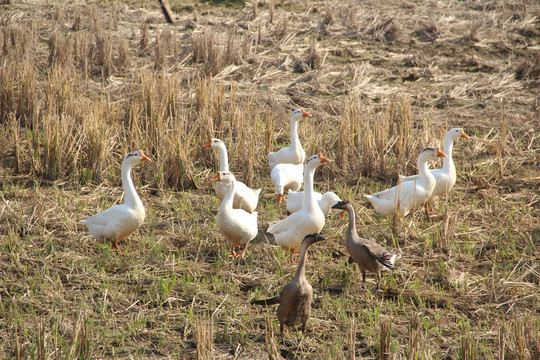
column 295, row 297
column 369, row 255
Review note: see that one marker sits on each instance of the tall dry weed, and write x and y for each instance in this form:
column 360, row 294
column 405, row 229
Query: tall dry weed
column 351, row 338
column 103, row 50
column 61, row 148
column 385, row 352
column 19, row 91
column 18, row 40
column 316, row 59
column 467, row 348
column 99, row 139
column 60, row 50
column 204, row 338
column 371, row 143
column 270, row 340
column 206, row 51
column 80, row 347
column 144, row 41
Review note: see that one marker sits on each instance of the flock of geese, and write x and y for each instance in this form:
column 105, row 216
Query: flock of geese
column 237, row 220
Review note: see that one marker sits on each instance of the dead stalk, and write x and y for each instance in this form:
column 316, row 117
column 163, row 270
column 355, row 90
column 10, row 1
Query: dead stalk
column 205, row 339
column 385, row 340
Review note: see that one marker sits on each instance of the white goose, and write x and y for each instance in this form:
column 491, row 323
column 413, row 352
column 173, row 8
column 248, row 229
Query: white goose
column 290, row 231
column 293, row 154
column 295, row 200
column 236, row 225
column 287, row 177
column 118, row 222
column 413, row 193
column 244, row 197
column 445, row 177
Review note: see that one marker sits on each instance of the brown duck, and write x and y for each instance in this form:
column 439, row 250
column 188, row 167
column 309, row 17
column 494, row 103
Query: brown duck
column 295, row 297
column 369, row 255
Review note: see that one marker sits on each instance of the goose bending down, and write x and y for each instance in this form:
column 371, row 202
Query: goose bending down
column 295, row 297
column 287, row 177
column 445, row 177
column 412, row 193
column 325, row 201
column 293, row 154
column 290, row 231
column 369, row 255
column 244, row 197
column 236, row 225
column 118, row 222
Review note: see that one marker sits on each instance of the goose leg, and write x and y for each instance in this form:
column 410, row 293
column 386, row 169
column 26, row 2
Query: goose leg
column 244, row 252
column 378, row 277
column 281, row 330
column 114, row 245
column 429, row 210
column 363, row 279
column 234, row 254
column 291, row 258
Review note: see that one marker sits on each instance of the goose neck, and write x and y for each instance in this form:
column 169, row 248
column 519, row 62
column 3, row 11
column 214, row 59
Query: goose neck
column 227, row 202
column 223, row 158
column 448, row 146
column 423, row 170
column 301, row 269
column 295, row 140
column 309, row 198
column 130, row 194
column 352, row 220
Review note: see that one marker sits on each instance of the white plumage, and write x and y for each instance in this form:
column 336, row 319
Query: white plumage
column 244, row 197
column 295, row 200
column 293, row 154
column 287, row 177
column 118, row 222
column 290, row 231
column 236, row 225
column 445, row 177
column 410, row 194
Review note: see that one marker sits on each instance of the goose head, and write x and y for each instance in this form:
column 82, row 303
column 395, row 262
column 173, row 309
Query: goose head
column 134, row 158
column 214, row 143
column 225, row 177
column 332, row 199
column 316, row 160
column 431, row 153
column 299, row 114
column 342, row 205
column 456, row 133
column 313, row 238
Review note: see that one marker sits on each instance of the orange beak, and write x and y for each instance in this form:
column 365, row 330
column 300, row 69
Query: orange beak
column 323, row 159
column 217, row 177
column 208, row 144
column 144, row 157
column 279, row 197
column 440, row 153
column 463, row 135
column 342, row 214
column 305, row 113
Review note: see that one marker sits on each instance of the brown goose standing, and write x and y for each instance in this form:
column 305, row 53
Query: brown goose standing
column 369, row 255
column 295, row 297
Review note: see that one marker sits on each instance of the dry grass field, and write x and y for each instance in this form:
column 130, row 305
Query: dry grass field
column 84, row 82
